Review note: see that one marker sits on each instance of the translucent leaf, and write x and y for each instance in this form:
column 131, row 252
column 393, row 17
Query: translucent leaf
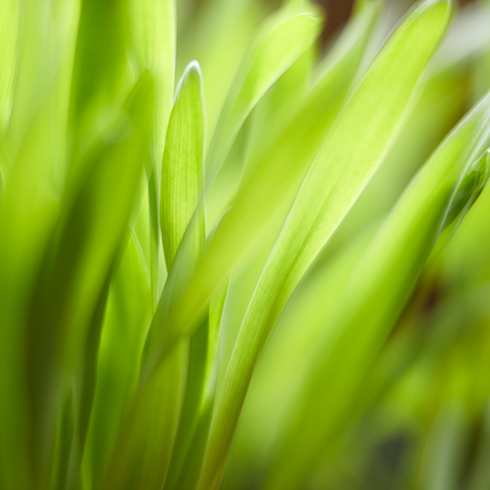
column 377, row 292
column 125, row 325
column 268, row 189
column 280, row 42
column 77, row 263
column 153, row 25
column 182, row 170
column 350, row 154
column 9, row 46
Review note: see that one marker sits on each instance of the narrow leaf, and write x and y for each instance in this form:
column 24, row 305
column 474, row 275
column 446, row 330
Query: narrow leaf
column 77, row 263
column 388, row 270
column 9, row 47
column 270, row 187
column 182, row 170
column 349, row 156
column 125, row 325
column 279, row 43
column 153, row 25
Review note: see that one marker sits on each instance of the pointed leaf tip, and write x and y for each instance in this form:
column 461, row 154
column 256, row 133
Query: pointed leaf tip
column 192, row 74
column 193, row 69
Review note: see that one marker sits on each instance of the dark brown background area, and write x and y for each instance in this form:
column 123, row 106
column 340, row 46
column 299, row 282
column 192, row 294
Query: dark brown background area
column 338, row 13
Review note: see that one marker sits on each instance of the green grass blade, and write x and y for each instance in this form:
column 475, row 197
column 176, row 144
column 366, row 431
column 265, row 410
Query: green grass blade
column 285, row 158
column 282, row 370
column 181, row 192
column 154, row 239
column 388, row 270
column 153, row 24
column 284, row 163
column 350, row 154
column 25, row 224
column 9, row 47
column 280, row 42
column 83, row 394
column 29, row 206
column 125, row 325
column 267, row 121
column 182, row 170
column 190, row 446
column 181, row 214
column 144, row 444
column 162, row 413
column 100, row 68
column 64, row 446
column 32, row 76
column 78, row 261
column 281, row 103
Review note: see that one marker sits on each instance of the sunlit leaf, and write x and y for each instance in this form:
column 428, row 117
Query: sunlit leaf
column 182, row 170
column 388, row 270
column 358, row 140
column 283, row 163
column 9, row 43
column 279, row 43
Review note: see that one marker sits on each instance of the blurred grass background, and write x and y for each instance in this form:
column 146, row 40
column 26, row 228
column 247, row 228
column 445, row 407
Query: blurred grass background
column 421, row 419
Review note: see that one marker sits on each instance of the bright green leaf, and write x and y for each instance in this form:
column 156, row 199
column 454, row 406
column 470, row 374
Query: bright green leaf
column 283, row 164
column 280, row 42
column 350, row 154
column 377, row 291
column 182, row 170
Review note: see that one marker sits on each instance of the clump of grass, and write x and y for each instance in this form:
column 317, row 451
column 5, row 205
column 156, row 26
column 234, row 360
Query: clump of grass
column 176, row 256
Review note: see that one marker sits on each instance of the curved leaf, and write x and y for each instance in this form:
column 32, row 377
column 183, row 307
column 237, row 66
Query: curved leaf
column 153, row 25
column 378, row 290
column 282, row 39
column 269, row 188
column 182, row 170
column 349, row 156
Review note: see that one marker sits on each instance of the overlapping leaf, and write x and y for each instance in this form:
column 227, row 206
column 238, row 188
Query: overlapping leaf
column 77, row 263
column 9, row 42
column 279, row 43
column 268, row 189
column 358, row 140
column 156, row 412
column 451, row 180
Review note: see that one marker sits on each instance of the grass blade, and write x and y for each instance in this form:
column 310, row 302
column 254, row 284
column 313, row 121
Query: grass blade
column 280, row 42
column 388, row 270
column 284, row 163
column 199, row 401
column 154, row 39
column 100, row 68
column 9, row 45
column 77, row 263
column 158, row 407
column 154, row 42
column 182, row 171
column 359, row 140
column 125, row 324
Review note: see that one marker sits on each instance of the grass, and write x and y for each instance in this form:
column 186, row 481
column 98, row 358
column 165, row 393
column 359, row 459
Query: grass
column 267, row 268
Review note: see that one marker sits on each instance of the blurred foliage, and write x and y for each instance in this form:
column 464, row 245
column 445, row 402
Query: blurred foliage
column 265, row 269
